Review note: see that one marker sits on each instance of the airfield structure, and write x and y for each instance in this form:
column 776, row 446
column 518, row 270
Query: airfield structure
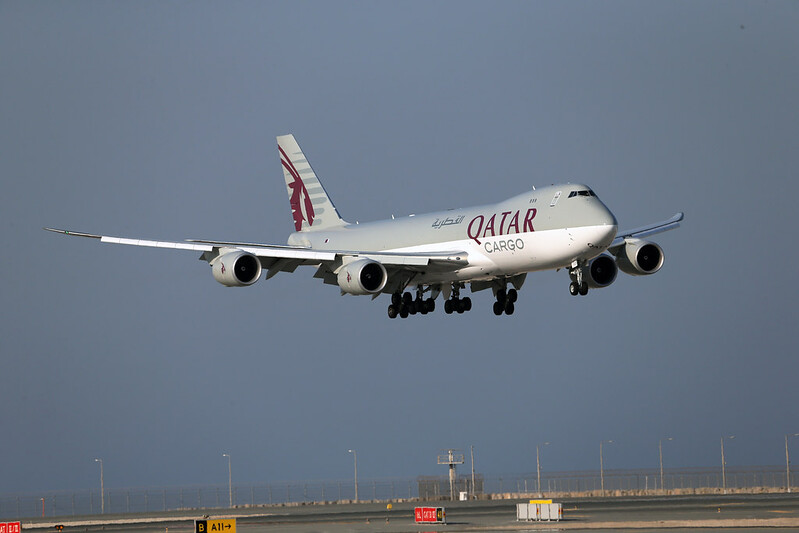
column 451, row 459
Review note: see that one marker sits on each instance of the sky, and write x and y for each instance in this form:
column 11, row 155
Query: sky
column 158, row 120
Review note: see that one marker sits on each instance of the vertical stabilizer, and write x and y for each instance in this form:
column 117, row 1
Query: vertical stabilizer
column 311, row 207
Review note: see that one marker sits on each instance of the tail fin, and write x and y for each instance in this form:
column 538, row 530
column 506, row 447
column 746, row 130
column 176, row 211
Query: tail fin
column 311, row 207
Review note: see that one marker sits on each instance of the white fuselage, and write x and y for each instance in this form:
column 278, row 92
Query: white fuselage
column 543, row 229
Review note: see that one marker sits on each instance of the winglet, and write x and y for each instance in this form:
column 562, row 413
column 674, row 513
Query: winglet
column 74, row 233
column 646, row 231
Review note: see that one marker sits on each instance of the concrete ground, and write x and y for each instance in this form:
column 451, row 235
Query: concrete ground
column 676, row 513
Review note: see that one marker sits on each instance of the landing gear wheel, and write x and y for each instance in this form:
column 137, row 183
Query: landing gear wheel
column 583, row 289
column 513, row 296
column 467, row 304
column 403, row 311
column 392, row 311
column 396, row 299
column 498, row 308
column 574, row 289
column 448, row 307
column 430, row 304
column 407, row 299
column 509, row 308
column 412, row 308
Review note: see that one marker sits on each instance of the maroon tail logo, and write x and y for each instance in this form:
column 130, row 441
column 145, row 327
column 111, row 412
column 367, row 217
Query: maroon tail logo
column 299, row 195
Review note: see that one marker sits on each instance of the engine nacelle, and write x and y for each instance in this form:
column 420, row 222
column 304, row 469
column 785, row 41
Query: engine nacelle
column 236, row 269
column 363, row 276
column 600, row 272
column 640, row 258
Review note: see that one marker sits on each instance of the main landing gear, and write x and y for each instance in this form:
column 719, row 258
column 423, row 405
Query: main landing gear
column 404, row 304
column 456, row 304
column 505, row 301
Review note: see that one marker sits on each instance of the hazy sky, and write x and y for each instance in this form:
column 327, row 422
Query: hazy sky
column 158, row 120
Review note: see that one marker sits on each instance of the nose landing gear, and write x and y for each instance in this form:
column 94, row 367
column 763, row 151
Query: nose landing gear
column 578, row 284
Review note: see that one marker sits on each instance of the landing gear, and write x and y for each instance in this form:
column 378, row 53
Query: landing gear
column 575, row 288
column 505, row 301
column 578, row 284
column 404, row 304
column 456, row 304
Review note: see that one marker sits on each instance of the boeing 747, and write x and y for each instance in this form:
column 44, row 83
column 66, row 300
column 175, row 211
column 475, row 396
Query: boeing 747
column 416, row 258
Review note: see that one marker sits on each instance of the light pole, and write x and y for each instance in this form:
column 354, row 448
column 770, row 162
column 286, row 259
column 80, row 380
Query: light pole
column 660, row 452
column 355, row 456
column 724, row 463
column 229, row 479
column 474, row 492
column 788, row 462
column 102, row 487
column 538, row 466
column 601, row 464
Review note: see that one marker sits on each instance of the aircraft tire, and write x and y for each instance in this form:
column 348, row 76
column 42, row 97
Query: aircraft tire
column 396, row 299
column 392, row 311
column 574, row 290
column 583, row 289
column 467, row 304
column 403, row 312
column 430, row 304
column 513, row 296
column 407, row 299
column 448, row 307
column 498, row 308
column 509, row 308
column 412, row 309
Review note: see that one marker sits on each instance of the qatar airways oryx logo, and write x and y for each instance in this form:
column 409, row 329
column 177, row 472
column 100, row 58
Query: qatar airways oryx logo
column 301, row 206
column 480, row 228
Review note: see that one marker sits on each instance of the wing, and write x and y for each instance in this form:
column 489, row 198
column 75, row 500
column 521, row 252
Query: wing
column 282, row 258
column 646, row 231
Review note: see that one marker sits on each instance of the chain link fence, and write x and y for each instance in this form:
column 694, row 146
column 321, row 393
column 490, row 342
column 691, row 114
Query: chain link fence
column 148, row 500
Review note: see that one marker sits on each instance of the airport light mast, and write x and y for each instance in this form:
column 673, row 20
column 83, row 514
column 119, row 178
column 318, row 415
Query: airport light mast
column 229, row 479
column 451, row 459
column 102, row 488
column 724, row 464
column 602, row 465
column 355, row 456
column 472, row 454
column 788, row 462
column 660, row 452
column 538, row 466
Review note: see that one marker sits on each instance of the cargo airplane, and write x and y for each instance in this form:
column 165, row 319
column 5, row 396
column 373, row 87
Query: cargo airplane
column 491, row 246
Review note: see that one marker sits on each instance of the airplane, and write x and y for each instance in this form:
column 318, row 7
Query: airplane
column 491, row 246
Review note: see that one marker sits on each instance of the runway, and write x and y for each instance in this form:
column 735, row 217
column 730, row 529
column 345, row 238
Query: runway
column 754, row 513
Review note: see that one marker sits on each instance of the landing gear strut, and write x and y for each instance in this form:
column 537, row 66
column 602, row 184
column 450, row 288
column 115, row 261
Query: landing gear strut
column 578, row 284
column 456, row 304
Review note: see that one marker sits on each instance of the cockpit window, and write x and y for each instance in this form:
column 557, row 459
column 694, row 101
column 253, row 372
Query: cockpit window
column 587, row 192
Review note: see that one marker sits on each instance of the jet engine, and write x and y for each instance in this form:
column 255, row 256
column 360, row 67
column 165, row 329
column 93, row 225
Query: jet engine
column 236, row 269
column 363, row 276
column 600, row 272
column 639, row 258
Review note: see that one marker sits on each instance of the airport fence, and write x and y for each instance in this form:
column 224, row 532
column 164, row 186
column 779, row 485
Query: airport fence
column 149, row 500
